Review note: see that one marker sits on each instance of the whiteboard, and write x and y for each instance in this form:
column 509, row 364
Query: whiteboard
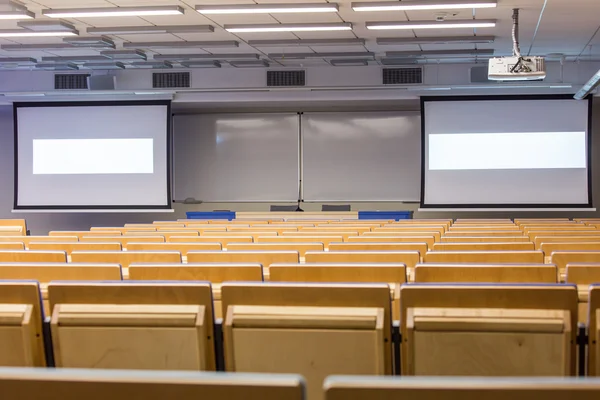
column 361, row 156
column 236, row 157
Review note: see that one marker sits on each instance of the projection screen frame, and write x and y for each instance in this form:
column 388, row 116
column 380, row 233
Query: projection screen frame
column 503, row 207
column 114, row 208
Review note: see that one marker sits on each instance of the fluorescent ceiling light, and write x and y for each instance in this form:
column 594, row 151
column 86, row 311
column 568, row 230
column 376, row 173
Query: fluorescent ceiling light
column 91, row 41
column 307, row 42
column 104, row 66
column 456, row 23
column 57, row 67
column 250, row 64
column 182, row 44
column 5, row 33
column 75, row 59
column 268, row 8
column 134, row 30
column 232, row 56
column 124, row 54
column 349, row 63
column 152, row 64
column 423, row 5
column 301, row 56
column 6, row 60
column 201, row 64
column 23, row 14
column 45, row 26
column 310, row 27
column 113, row 12
column 398, row 61
column 590, row 85
column 436, row 40
column 467, row 52
column 45, row 46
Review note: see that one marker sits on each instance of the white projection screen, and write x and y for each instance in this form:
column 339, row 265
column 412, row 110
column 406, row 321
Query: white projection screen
column 92, row 155
column 506, row 152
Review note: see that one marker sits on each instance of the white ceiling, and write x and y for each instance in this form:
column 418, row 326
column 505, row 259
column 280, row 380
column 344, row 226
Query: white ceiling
column 569, row 27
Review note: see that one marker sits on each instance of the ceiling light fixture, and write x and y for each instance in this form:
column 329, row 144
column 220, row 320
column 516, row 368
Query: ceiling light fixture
column 456, row 23
column 75, row 59
column 423, row 5
column 90, row 41
column 45, row 46
column 17, row 60
column 589, row 87
column 45, row 26
column 181, row 44
column 7, row 33
column 201, row 64
column 134, row 30
column 307, row 42
column 152, row 64
column 22, row 14
column 57, row 67
column 468, row 52
column 301, row 56
column 250, row 64
column 113, row 12
column 436, row 40
column 182, row 57
column 303, row 27
column 349, row 63
column 124, row 54
column 268, row 8
column 104, row 66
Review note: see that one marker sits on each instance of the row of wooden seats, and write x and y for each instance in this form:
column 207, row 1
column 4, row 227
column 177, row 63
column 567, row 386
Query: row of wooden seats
column 315, row 330
column 19, row 383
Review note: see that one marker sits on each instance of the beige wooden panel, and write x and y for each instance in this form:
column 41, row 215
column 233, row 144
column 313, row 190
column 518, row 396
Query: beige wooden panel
column 486, row 273
column 578, row 232
column 445, row 222
column 525, row 221
column 313, row 295
column 31, row 339
column 249, row 222
column 484, row 239
column 155, row 337
column 484, row 257
column 167, row 223
column 483, row 221
column 292, row 224
column 253, row 235
column 124, row 240
column 338, row 228
column 482, row 233
column 134, row 293
column 122, row 230
column 344, row 234
column 46, row 272
column 15, row 222
column 373, row 223
column 262, row 229
column 412, row 228
column 70, row 247
column 206, row 228
column 549, row 248
column 32, row 256
column 305, row 342
column 165, row 234
column 483, row 246
column 295, row 216
column 214, row 273
column 583, row 273
column 339, row 272
column 183, row 248
column 382, row 246
column 392, row 232
column 301, row 248
column 419, row 388
column 81, row 234
column 28, row 239
column 325, row 240
column 12, row 246
column 124, row 258
column 490, row 296
column 223, row 240
column 265, row 258
column 409, row 258
column 461, row 228
column 17, row 335
column 569, row 228
column 488, row 342
column 563, row 258
column 593, row 369
column 563, row 239
column 430, row 240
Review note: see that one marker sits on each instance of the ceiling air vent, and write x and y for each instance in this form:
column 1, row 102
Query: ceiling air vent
column 164, row 80
column 70, row 81
column 286, row 78
column 402, row 76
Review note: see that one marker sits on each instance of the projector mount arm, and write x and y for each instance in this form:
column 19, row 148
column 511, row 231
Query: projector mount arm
column 519, row 66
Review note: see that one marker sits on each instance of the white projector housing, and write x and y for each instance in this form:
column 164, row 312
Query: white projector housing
column 500, row 69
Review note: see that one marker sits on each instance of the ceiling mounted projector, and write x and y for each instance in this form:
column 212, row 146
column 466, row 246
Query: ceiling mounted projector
column 517, row 67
